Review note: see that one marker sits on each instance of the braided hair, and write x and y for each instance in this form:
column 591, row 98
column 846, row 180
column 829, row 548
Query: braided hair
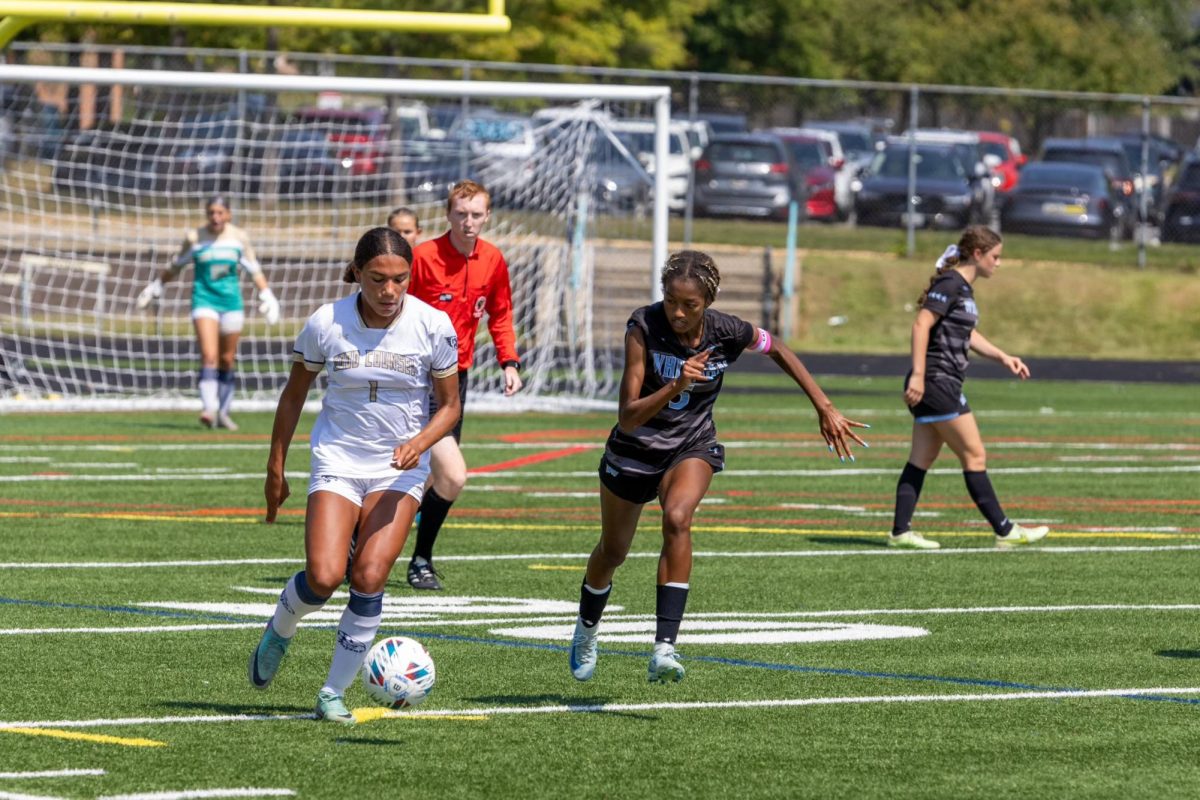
column 975, row 237
column 374, row 243
column 697, row 266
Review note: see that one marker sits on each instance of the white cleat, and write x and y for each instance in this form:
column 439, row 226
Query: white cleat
column 664, row 664
column 1020, row 535
column 584, row 650
column 911, row 540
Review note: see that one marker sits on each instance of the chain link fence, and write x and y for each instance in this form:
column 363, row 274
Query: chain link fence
column 1066, row 164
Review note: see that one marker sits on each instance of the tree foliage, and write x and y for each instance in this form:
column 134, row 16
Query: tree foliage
column 1135, row 46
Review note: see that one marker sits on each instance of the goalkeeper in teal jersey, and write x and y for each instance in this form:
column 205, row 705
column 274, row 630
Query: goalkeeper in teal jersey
column 217, row 252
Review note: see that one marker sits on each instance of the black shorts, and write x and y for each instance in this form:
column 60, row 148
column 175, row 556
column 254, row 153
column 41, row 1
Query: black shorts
column 636, row 482
column 943, row 400
column 456, row 431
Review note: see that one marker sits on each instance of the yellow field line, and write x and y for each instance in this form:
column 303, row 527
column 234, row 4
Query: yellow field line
column 162, row 518
column 558, row 567
column 372, row 713
column 85, row 737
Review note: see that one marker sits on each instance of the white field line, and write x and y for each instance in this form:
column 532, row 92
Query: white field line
column 945, row 551
column 51, row 773
column 834, row 471
column 594, row 708
column 199, row 794
column 425, row 623
column 529, row 445
column 19, row 796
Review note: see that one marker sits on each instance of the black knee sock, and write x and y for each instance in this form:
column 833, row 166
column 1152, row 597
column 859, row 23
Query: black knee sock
column 908, row 491
column 670, row 601
column 979, row 486
column 592, row 602
column 434, row 509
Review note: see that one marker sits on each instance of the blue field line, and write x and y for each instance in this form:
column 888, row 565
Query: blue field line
column 728, row 662
column 736, row 662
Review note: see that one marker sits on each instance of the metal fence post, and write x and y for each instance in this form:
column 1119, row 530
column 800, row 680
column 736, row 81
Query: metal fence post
column 1144, row 200
column 693, row 110
column 913, row 199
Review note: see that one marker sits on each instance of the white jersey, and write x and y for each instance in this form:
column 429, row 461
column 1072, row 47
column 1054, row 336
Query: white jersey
column 379, row 382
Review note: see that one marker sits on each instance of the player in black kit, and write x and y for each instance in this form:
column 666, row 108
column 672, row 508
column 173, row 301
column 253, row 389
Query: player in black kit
column 665, row 444
column 941, row 337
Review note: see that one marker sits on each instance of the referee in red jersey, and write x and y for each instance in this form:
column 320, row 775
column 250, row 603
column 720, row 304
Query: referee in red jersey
column 465, row 276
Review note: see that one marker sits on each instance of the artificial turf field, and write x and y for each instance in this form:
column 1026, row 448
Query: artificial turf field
column 135, row 576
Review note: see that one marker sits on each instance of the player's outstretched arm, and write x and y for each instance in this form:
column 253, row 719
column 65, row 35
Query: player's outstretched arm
column 287, row 416
column 836, row 429
column 983, row 347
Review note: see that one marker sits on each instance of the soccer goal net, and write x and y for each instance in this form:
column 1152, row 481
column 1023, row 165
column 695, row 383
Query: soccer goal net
column 106, row 170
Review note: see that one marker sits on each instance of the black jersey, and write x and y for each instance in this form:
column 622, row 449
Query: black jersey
column 953, row 300
column 686, row 421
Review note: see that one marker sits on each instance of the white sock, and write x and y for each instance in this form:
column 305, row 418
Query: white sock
column 209, row 390
column 296, row 601
column 355, row 633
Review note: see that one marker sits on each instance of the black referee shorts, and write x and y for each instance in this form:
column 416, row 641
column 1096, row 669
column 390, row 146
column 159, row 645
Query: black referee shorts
column 456, row 431
column 943, row 400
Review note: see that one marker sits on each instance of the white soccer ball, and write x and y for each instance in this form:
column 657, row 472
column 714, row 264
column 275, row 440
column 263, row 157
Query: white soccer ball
column 398, row 672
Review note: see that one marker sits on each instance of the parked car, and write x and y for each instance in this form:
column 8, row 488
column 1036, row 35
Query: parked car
column 1163, row 159
column 622, row 184
column 813, row 156
column 111, row 163
column 843, row 175
column 724, row 122
column 750, row 175
column 638, row 136
column 970, row 151
column 949, row 193
column 1003, row 156
column 1181, row 211
column 1062, row 199
column 1105, row 152
column 335, row 151
column 856, row 139
column 502, row 148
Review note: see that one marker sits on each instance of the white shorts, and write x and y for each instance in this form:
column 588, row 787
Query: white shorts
column 229, row 321
column 409, row 481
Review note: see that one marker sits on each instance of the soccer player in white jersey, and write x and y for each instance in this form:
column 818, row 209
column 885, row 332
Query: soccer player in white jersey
column 383, row 352
column 217, row 251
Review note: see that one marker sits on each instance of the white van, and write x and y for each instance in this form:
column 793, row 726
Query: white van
column 638, row 136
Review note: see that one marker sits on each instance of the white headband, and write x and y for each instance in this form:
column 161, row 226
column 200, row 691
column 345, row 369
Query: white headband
column 944, row 261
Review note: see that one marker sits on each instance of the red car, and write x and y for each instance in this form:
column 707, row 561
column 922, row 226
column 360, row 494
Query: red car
column 1002, row 153
column 814, row 159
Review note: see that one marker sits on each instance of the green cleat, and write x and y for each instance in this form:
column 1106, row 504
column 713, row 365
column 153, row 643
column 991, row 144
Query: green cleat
column 331, row 707
column 1019, row 535
column 911, row 540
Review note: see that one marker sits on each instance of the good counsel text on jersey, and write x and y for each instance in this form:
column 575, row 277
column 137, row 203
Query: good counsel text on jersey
column 379, row 381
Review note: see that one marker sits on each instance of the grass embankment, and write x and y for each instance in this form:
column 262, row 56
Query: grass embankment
column 1051, row 297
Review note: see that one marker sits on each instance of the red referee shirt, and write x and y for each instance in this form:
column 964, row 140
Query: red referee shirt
column 466, row 287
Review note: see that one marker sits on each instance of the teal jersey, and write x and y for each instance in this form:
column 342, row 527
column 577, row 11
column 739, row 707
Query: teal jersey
column 217, row 260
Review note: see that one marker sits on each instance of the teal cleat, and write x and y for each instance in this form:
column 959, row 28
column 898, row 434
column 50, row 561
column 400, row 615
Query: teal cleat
column 330, row 707
column 264, row 661
column 664, row 664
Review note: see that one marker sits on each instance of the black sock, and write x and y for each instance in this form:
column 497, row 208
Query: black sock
column 668, row 609
column 908, row 491
column 434, row 509
column 591, row 603
column 979, row 486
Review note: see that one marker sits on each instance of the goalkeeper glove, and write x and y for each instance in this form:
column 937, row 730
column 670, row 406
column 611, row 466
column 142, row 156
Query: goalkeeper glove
column 150, row 293
column 268, row 305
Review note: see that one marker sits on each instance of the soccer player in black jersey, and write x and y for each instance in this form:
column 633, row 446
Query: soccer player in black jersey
column 665, row 444
column 941, row 337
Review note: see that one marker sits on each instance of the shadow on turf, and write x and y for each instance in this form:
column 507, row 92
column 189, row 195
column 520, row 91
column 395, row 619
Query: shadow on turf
column 1178, row 653
column 848, row 541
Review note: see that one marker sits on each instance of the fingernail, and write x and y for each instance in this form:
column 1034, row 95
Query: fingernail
column 865, row 425
column 851, row 458
column 866, row 445
column 842, row 458
column 831, row 448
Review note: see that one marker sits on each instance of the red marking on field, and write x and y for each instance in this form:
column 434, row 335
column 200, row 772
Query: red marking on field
column 561, row 434
column 524, row 461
